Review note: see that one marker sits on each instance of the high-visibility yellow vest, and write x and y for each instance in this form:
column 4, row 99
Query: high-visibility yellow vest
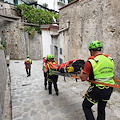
column 103, row 69
column 28, row 59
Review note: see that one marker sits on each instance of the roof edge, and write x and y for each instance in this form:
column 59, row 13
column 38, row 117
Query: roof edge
column 48, row 26
column 68, row 4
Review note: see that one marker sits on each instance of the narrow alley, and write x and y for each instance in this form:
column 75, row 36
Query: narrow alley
column 30, row 101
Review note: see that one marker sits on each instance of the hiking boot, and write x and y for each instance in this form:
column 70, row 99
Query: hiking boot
column 45, row 88
column 57, row 93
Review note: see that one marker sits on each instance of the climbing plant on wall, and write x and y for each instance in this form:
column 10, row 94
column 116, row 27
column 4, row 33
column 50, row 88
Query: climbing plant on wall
column 2, row 46
column 35, row 16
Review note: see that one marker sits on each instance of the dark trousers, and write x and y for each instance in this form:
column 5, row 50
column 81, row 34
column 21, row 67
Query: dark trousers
column 98, row 95
column 45, row 79
column 54, row 79
column 28, row 71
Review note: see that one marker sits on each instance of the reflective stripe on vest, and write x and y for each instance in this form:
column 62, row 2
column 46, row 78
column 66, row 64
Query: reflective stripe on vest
column 103, row 70
column 28, row 59
column 43, row 68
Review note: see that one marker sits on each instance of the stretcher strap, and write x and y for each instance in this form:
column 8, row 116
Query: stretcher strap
column 116, row 80
column 110, row 85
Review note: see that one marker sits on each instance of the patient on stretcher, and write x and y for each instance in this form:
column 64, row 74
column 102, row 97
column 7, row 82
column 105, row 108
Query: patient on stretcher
column 69, row 66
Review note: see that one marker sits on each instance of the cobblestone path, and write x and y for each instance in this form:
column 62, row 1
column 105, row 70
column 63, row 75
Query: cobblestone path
column 31, row 102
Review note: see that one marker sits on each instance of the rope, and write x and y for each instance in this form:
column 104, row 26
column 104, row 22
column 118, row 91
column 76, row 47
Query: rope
column 110, row 85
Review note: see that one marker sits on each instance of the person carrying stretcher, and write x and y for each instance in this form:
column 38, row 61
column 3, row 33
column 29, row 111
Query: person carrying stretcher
column 45, row 74
column 51, row 77
column 99, row 68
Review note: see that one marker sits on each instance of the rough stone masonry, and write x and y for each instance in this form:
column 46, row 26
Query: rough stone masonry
column 91, row 20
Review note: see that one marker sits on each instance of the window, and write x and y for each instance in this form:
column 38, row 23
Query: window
column 61, row 51
column 15, row 2
column 60, row 60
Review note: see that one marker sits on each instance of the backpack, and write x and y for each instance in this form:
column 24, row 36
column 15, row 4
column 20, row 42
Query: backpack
column 27, row 63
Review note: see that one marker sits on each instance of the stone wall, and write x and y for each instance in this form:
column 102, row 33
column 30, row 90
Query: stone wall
column 18, row 43
column 36, row 49
column 3, row 77
column 91, row 20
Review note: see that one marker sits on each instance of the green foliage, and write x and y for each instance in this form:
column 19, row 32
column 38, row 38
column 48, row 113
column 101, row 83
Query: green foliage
column 56, row 16
column 16, row 45
column 45, row 5
column 30, row 30
column 8, row 83
column 2, row 43
column 38, row 29
column 35, row 16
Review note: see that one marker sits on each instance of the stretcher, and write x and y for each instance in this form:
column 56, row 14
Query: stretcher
column 76, row 75
column 75, row 72
column 69, row 68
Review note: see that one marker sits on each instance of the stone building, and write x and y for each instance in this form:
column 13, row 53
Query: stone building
column 3, row 77
column 90, row 20
column 18, row 43
column 50, row 40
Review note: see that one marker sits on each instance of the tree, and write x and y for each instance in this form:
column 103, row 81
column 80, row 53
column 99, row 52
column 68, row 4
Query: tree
column 45, row 5
column 35, row 16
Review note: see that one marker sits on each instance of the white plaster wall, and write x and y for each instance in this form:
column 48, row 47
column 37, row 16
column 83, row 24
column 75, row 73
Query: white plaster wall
column 59, row 6
column 61, row 45
column 52, row 4
column 55, row 47
column 46, row 40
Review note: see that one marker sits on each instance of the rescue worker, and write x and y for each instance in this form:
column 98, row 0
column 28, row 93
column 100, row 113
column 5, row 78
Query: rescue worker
column 28, row 63
column 99, row 68
column 45, row 74
column 51, row 77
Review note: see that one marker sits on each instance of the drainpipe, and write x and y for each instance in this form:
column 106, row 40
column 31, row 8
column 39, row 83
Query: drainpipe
column 67, row 27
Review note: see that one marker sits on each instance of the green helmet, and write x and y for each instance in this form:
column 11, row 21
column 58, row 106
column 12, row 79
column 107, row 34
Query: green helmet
column 48, row 56
column 53, row 56
column 95, row 45
column 28, row 56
